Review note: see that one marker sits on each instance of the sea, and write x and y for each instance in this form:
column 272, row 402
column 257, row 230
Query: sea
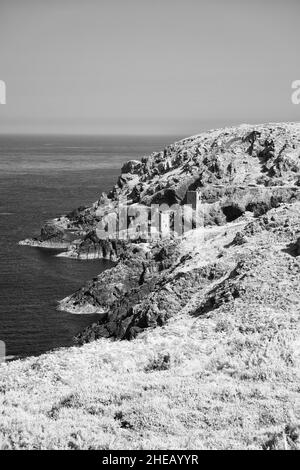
column 41, row 177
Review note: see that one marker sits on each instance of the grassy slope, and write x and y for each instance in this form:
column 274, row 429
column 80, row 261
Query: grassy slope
column 224, row 376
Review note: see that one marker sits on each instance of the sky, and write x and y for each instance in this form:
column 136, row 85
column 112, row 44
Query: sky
column 147, row 66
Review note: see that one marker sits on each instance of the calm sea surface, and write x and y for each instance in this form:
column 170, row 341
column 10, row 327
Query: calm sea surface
column 42, row 177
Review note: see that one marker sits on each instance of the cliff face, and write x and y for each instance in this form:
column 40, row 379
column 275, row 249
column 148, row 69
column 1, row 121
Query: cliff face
column 252, row 262
column 249, row 182
column 238, row 169
column 246, row 175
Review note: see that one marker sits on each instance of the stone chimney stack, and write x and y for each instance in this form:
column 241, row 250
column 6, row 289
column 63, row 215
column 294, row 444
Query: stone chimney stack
column 194, row 199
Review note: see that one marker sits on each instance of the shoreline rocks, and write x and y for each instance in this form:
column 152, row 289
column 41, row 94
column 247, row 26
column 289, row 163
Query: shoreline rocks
column 34, row 242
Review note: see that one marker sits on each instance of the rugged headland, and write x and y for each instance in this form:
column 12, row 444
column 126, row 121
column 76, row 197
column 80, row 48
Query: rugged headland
column 212, row 315
column 242, row 173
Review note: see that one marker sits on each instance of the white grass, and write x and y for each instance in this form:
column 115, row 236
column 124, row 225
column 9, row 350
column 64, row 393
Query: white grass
column 221, row 389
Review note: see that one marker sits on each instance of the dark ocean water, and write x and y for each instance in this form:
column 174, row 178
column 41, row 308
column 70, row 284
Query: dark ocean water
column 42, row 177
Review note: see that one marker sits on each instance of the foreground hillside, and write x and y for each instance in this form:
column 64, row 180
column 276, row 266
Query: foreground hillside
column 221, row 373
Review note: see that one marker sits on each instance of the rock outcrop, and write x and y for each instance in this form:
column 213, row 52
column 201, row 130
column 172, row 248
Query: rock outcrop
column 252, row 259
column 238, row 169
column 249, row 180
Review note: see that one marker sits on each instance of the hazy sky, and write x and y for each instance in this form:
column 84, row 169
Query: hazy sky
column 147, row 66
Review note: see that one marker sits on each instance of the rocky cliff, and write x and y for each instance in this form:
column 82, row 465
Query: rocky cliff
column 232, row 167
column 249, row 179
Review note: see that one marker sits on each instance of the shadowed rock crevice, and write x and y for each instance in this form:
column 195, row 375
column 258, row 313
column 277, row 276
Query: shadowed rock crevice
column 232, row 212
column 293, row 249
